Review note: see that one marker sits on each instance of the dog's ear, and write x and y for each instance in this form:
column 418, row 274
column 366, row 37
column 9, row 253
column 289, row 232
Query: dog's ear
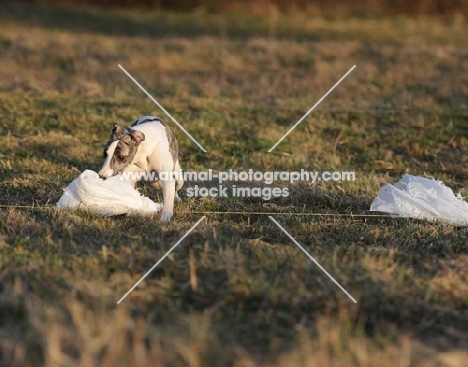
column 116, row 131
column 136, row 135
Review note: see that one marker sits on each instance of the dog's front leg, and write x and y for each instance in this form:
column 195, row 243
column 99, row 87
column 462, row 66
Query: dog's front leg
column 169, row 195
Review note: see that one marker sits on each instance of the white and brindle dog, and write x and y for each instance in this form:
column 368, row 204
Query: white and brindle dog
column 147, row 146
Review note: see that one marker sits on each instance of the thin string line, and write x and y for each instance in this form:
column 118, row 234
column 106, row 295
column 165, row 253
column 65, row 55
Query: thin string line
column 227, row 212
column 298, row 214
column 383, row 215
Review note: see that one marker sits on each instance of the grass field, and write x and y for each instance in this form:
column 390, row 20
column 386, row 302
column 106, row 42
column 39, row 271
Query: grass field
column 236, row 291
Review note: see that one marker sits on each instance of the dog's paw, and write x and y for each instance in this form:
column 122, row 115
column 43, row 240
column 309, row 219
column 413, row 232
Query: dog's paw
column 165, row 217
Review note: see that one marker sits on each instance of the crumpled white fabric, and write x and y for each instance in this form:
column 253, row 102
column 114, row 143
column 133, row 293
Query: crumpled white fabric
column 112, row 196
column 423, row 198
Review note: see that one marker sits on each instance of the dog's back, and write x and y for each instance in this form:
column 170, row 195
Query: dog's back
column 146, row 119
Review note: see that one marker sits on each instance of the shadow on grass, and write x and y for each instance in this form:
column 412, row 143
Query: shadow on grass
column 264, row 304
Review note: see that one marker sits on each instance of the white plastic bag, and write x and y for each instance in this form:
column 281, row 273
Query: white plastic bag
column 112, row 196
column 419, row 197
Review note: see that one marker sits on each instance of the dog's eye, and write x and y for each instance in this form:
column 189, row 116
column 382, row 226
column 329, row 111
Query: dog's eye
column 120, row 157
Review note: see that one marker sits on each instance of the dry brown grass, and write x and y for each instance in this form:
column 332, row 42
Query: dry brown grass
column 236, row 292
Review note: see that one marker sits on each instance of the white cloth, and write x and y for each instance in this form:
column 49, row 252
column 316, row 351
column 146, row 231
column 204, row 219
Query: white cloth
column 112, row 196
column 419, row 197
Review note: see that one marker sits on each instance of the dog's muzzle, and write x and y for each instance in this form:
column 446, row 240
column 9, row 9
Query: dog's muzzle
column 105, row 174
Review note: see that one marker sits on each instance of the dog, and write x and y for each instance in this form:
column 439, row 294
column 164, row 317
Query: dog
column 147, row 146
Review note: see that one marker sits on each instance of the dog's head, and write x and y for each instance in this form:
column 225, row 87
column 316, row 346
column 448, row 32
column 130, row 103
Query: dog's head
column 120, row 150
